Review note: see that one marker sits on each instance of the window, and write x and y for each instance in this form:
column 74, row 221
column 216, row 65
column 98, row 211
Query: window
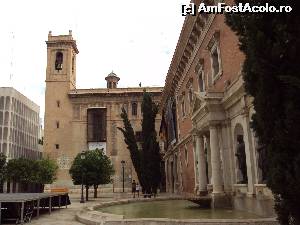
column 96, row 124
column 109, row 85
column 199, row 70
column 73, row 64
column 201, row 81
column 215, row 56
column 190, row 95
column 59, row 61
column 134, row 108
column 183, row 105
column 57, row 124
column 58, row 104
column 2, row 103
column 7, row 102
column 215, row 61
column 56, row 146
column 186, row 156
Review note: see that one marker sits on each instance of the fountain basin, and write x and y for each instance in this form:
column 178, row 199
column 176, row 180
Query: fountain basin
column 165, row 211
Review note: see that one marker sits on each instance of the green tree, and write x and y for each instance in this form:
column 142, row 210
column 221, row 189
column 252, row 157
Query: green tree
column 2, row 171
column 151, row 158
column 22, row 170
column 146, row 162
column 96, row 168
column 271, row 72
column 28, row 171
column 46, row 173
column 132, row 146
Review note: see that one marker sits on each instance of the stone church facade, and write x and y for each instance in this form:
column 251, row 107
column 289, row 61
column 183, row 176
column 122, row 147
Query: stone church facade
column 77, row 120
column 210, row 148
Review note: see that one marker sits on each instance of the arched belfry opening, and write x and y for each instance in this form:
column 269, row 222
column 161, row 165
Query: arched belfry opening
column 112, row 80
column 240, row 155
column 59, row 60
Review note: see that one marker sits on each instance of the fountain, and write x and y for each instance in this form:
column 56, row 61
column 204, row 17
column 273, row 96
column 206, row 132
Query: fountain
column 166, row 211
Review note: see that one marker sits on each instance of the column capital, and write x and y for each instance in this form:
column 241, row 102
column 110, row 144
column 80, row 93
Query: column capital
column 197, row 132
column 215, row 124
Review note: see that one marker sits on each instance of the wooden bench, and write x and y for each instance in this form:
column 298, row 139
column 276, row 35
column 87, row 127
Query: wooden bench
column 59, row 190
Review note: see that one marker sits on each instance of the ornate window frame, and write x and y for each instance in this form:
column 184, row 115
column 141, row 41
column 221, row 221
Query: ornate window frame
column 186, row 156
column 199, row 70
column 214, row 48
column 183, row 105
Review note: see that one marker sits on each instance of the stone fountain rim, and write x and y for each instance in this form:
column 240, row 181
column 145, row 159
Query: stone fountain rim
column 91, row 216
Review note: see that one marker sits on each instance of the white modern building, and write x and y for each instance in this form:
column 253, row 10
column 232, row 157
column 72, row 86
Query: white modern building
column 19, row 125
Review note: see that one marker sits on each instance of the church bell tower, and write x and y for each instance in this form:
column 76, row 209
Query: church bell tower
column 60, row 79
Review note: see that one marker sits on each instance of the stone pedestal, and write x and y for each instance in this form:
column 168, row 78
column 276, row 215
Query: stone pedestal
column 221, row 200
column 262, row 191
column 240, row 189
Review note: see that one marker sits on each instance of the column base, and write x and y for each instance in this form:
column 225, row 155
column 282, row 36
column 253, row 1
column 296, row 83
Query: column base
column 203, row 193
column 221, row 200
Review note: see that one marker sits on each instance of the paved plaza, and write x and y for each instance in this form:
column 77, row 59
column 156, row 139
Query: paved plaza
column 67, row 216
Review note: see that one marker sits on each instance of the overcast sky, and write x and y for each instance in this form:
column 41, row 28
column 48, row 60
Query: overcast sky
column 135, row 39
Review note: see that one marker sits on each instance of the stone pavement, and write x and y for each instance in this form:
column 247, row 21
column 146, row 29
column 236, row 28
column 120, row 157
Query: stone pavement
column 65, row 216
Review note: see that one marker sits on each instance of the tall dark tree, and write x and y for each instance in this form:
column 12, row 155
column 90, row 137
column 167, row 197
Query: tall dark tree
column 151, row 158
column 271, row 45
column 132, row 146
column 146, row 162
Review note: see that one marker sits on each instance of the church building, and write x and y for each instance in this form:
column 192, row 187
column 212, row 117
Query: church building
column 77, row 120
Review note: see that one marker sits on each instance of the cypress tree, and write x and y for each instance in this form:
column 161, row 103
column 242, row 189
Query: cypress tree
column 146, row 162
column 132, row 146
column 151, row 158
column 271, row 45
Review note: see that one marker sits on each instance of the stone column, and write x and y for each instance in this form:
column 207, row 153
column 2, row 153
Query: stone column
column 215, row 161
column 195, row 151
column 201, row 165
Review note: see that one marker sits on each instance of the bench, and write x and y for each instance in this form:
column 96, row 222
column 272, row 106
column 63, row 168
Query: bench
column 59, row 190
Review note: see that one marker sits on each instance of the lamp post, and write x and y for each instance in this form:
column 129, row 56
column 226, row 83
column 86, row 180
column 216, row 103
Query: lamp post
column 82, row 156
column 123, row 172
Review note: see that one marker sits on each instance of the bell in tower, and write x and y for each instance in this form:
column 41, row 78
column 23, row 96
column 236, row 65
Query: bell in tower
column 112, row 80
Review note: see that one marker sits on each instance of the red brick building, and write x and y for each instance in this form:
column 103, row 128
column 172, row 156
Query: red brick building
column 206, row 114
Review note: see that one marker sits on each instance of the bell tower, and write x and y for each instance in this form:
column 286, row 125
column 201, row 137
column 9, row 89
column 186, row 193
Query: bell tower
column 112, row 80
column 61, row 59
column 60, row 79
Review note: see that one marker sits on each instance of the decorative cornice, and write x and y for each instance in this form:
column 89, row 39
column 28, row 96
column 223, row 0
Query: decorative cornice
column 63, row 42
column 203, row 35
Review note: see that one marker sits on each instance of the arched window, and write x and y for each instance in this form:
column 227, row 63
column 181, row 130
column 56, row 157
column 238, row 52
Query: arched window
column 201, row 81
column 73, row 64
column 58, row 61
column 134, row 109
column 183, row 105
column 186, row 156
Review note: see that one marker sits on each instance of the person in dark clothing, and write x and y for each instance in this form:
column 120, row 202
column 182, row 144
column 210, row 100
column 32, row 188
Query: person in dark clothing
column 133, row 185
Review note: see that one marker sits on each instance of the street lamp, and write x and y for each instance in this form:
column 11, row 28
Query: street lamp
column 123, row 172
column 82, row 156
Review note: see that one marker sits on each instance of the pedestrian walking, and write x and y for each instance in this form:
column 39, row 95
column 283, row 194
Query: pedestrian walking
column 133, row 185
column 138, row 188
